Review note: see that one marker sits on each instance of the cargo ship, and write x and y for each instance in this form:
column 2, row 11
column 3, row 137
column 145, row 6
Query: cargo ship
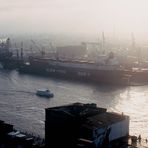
column 105, row 70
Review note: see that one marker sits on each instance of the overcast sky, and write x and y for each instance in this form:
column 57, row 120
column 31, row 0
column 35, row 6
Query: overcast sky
column 84, row 16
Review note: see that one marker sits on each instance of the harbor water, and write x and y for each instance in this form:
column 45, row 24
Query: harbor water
column 20, row 106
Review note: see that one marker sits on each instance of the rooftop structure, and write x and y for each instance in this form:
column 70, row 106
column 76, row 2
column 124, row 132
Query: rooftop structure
column 69, row 124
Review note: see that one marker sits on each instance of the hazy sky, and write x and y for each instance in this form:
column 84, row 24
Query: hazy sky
column 85, row 16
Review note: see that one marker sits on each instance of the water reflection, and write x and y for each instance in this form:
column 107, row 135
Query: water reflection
column 20, row 106
column 134, row 103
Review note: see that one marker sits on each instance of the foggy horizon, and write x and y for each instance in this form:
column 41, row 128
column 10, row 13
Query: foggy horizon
column 114, row 17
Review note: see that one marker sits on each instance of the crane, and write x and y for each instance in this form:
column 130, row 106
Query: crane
column 42, row 51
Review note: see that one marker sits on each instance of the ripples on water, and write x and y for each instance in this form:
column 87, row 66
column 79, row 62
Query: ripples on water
column 20, row 106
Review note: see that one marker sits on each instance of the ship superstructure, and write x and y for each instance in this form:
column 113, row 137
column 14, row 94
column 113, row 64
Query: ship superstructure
column 5, row 52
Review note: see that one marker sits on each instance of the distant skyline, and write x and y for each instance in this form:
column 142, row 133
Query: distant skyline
column 74, row 16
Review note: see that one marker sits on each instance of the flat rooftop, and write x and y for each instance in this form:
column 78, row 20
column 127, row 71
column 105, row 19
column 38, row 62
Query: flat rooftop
column 95, row 117
column 78, row 109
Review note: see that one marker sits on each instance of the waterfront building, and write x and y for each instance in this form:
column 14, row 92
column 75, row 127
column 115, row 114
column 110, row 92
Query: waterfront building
column 74, row 124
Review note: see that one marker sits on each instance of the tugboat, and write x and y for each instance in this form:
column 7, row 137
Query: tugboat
column 44, row 93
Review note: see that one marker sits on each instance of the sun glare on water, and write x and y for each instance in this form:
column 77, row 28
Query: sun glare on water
column 133, row 102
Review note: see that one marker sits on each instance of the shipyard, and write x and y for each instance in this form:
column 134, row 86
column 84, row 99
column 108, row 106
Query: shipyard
column 24, row 84
column 75, row 62
column 73, row 74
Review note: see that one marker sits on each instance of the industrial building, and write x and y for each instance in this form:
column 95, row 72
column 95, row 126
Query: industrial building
column 71, row 52
column 83, row 125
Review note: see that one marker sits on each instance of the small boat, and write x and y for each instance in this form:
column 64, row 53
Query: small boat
column 44, row 93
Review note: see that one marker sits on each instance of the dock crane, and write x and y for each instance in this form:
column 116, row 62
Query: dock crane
column 42, row 51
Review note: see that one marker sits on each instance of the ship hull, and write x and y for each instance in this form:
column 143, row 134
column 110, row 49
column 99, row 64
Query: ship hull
column 78, row 73
column 139, row 76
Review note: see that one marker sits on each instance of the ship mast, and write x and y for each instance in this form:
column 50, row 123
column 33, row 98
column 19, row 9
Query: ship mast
column 21, row 50
column 133, row 42
column 136, row 49
column 103, row 43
